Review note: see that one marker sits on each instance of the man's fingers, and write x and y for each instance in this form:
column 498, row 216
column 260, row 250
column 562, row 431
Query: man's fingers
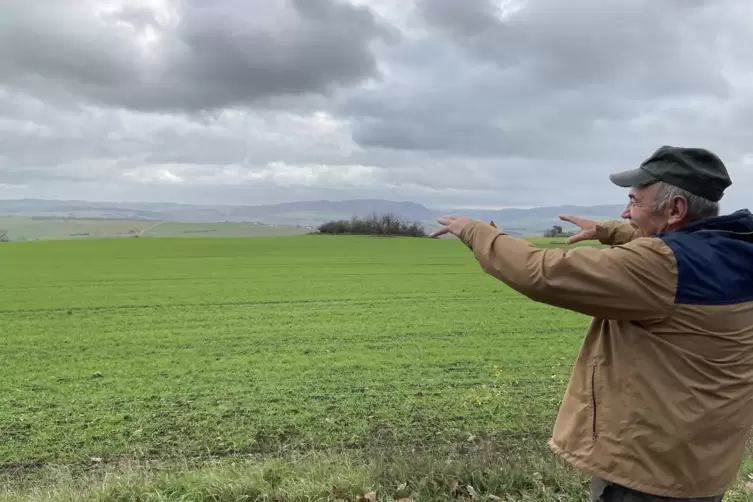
column 580, row 236
column 575, row 238
column 446, row 220
column 451, row 224
column 439, row 232
column 572, row 219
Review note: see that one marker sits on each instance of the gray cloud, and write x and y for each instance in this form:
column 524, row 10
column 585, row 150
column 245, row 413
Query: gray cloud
column 647, row 49
column 558, row 80
column 437, row 101
column 197, row 55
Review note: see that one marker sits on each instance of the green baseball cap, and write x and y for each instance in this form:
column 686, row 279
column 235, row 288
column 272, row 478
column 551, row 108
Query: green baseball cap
column 696, row 170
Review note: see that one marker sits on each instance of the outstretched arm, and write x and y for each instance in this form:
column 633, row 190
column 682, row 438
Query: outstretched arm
column 611, row 233
column 635, row 281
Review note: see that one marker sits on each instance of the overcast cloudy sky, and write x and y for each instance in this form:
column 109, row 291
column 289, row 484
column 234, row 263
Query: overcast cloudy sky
column 443, row 102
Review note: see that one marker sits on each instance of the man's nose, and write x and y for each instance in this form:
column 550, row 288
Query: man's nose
column 626, row 213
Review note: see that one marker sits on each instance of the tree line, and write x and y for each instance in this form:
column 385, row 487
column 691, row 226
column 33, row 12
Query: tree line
column 385, row 224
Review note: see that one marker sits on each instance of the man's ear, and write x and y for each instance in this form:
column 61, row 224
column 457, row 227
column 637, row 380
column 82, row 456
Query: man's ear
column 678, row 210
column 492, row 224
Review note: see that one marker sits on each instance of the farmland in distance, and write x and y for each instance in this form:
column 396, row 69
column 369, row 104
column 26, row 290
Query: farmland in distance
column 302, row 368
column 20, row 228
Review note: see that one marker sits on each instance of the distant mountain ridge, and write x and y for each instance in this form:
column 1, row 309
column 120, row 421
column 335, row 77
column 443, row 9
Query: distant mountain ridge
column 306, row 213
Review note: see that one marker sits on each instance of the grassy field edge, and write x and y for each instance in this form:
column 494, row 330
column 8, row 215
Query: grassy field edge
column 468, row 471
column 479, row 471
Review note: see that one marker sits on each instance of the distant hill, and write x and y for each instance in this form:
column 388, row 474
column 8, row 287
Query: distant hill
column 304, row 213
column 297, row 213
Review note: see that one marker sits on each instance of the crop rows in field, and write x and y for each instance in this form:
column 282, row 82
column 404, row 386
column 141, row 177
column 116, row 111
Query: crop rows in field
column 167, row 347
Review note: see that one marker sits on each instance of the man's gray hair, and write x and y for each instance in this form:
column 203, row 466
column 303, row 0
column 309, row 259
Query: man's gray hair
column 698, row 207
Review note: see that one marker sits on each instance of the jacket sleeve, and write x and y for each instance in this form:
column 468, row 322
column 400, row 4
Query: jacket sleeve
column 615, row 232
column 636, row 281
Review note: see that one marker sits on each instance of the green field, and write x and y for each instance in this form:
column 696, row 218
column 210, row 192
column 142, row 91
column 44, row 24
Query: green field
column 26, row 228
column 302, row 368
column 182, row 229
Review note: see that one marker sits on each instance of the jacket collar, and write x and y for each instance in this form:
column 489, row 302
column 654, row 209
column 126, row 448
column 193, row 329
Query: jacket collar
column 739, row 224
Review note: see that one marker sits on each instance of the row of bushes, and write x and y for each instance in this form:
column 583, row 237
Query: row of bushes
column 386, row 224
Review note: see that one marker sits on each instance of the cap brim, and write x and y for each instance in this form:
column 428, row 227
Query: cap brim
column 632, row 178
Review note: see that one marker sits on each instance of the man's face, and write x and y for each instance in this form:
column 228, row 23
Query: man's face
column 640, row 210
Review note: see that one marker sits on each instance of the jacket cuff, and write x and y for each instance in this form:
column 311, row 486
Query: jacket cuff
column 474, row 230
column 603, row 232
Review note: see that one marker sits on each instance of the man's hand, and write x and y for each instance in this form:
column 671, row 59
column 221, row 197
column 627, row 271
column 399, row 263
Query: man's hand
column 587, row 229
column 451, row 225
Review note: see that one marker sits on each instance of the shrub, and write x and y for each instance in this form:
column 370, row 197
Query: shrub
column 556, row 231
column 385, row 224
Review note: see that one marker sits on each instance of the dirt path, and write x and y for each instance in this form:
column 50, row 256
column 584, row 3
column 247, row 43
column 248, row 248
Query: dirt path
column 141, row 234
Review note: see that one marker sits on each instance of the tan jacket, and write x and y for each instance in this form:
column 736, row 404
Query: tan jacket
column 661, row 395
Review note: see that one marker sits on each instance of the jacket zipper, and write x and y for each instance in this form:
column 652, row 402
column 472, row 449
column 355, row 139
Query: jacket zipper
column 593, row 398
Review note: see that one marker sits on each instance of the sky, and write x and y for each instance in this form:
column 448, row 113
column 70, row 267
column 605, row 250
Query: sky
column 472, row 103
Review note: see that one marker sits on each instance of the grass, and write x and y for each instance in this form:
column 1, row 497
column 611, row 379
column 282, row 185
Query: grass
column 392, row 475
column 303, row 368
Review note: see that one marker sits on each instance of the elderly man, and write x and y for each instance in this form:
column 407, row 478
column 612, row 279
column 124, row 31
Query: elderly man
column 660, row 401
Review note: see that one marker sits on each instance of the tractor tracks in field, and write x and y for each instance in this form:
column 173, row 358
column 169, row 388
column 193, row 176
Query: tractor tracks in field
column 255, row 303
